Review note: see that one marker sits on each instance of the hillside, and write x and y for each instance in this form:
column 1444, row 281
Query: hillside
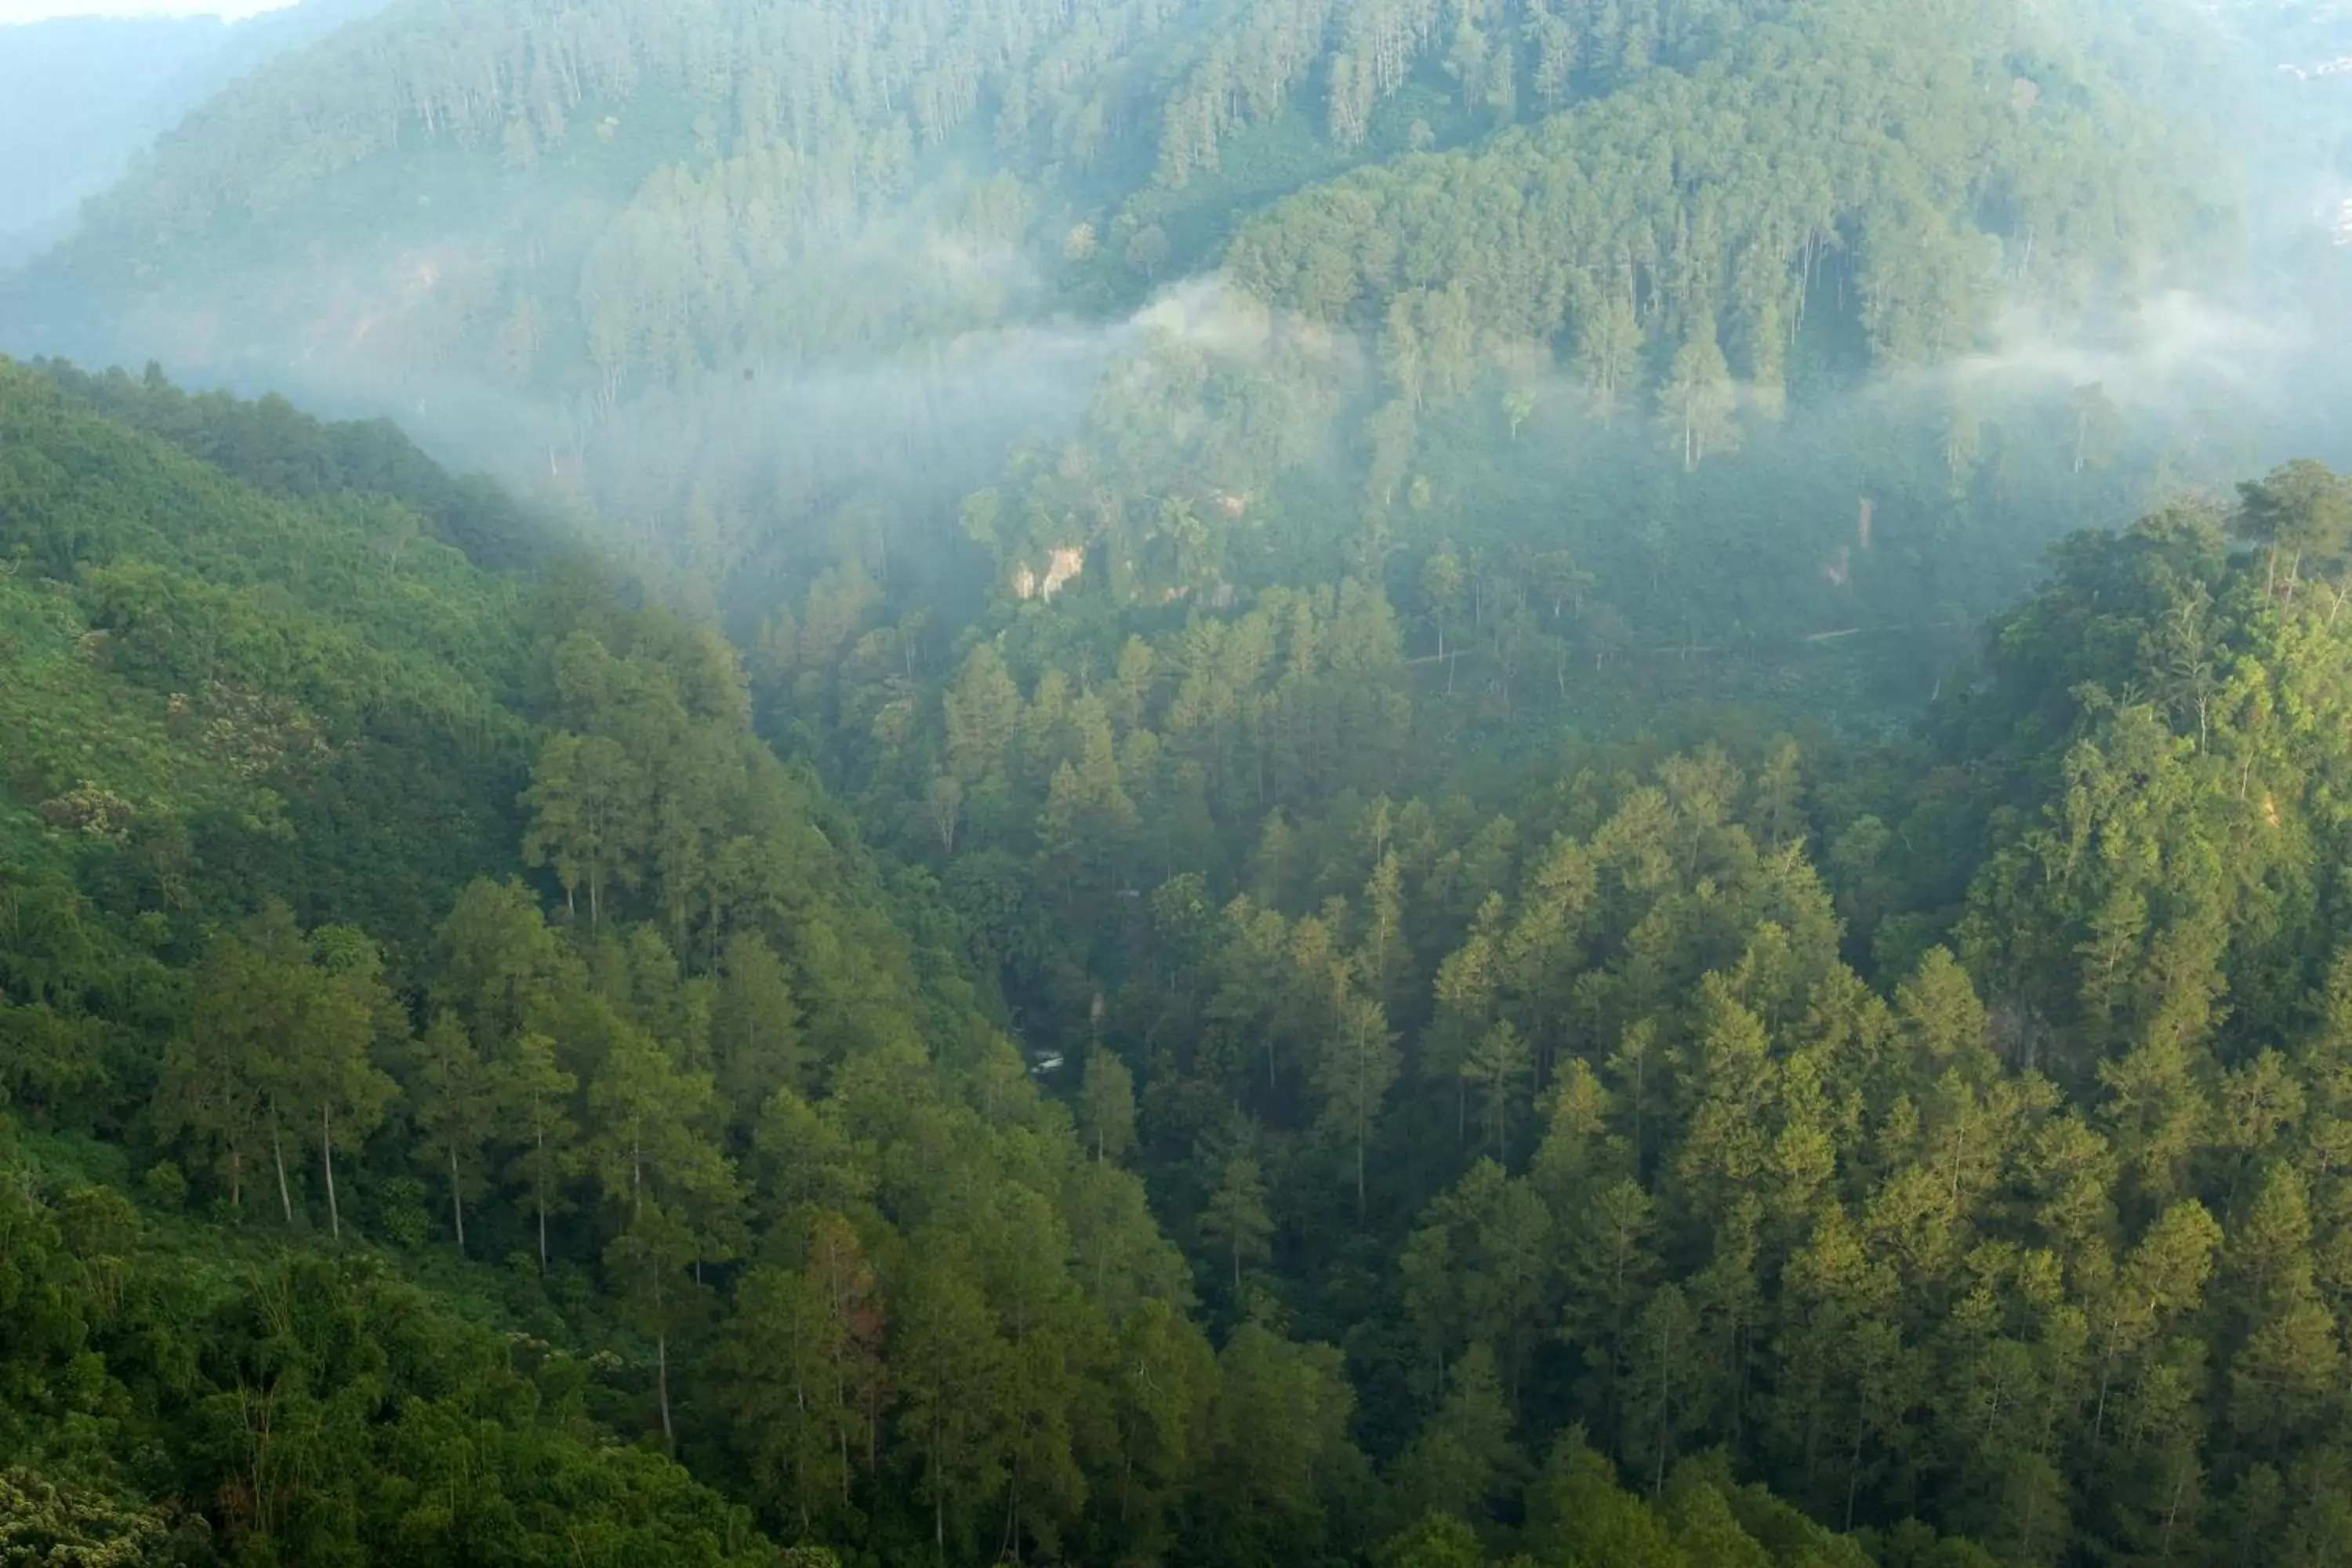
column 1432, row 784
column 605, row 1227
column 771, row 291
column 81, row 97
column 439, row 1036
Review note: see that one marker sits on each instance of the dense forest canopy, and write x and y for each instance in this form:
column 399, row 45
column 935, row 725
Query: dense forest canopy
column 712, row 275
column 1439, row 783
column 442, row 1037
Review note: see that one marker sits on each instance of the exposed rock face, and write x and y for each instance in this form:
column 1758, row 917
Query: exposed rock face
column 1063, row 566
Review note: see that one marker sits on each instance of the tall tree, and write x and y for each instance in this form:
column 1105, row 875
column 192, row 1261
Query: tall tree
column 1696, row 401
column 1237, row 1215
column 458, row 1109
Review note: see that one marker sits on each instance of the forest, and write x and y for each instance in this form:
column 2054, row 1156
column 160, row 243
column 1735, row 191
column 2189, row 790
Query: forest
column 470, row 1100
column 1428, row 783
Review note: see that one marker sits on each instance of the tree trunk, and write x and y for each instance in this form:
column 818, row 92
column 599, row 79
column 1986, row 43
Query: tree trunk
column 1360, row 1172
column 456, row 1198
column 277, row 1153
column 661, row 1385
column 327, row 1157
column 539, row 1191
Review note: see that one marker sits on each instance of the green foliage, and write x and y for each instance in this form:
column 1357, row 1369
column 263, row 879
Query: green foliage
column 41, row 1522
column 226, row 693
column 1930, row 1154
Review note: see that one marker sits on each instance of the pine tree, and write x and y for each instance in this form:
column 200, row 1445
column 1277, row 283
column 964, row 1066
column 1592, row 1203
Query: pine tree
column 534, row 1093
column 456, row 1094
column 1106, row 1105
column 1236, row 1215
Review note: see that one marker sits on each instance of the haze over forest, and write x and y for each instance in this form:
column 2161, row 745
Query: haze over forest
column 1186, row 784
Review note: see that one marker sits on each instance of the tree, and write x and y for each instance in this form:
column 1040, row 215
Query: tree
column 1696, row 401
column 951, row 1368
column 1498, row 1065
column 648, row 1263
column 984, row 711
column 42, row 1522
column 1441, row 586
column 1663, row 1386
column 345, row 1009
column 497, row 965
column 210, row 1088
column 1106, row 1105
column 799, row 1372
column 1354, row 1072
column 944, row 800
column 1519, row 407
column 2302, row 509
column 533, row 1091
column 1609, row 344
column 664, row 1179
column 1579, row 1515
column 755, row 1030
column 589, row 803
column 283, row 1025
column 459, row 1109
column 2093, row 425
column 1237, row 1215
column 1166, row 1381
column 1278, row 1437
column 1148, row 250
column 1437, row 1540
column 1768, row 361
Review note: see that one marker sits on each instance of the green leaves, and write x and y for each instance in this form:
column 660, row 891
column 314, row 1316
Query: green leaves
column 43, row 1523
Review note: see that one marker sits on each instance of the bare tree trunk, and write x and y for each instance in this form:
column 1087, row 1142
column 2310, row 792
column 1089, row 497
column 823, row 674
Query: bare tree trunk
column 277, row 1153
column 661, row 1384
column 327, row 1156
column 456, row 1198
column 1359, row 1170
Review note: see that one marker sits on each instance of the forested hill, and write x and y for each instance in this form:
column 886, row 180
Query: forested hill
column 82, row 96
column 769, row 289
column 467, row 1100
column 1426, row 783
column 462, row 1099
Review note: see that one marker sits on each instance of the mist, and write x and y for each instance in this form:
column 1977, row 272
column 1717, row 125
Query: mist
column 967, row 335
column 82, row 97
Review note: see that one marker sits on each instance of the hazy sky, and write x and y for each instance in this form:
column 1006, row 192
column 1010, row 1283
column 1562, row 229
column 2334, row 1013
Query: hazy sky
column 43, row 10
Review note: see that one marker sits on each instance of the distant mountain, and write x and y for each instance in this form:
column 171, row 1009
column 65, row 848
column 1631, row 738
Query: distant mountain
column 81, row 97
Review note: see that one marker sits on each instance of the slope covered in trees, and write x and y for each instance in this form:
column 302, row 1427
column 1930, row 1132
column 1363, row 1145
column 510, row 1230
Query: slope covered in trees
column 769, row 290
column 82, row 97
column 1560, row 1157
column 365, row 1201
column 1362, row 883
column 1940, row 1129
